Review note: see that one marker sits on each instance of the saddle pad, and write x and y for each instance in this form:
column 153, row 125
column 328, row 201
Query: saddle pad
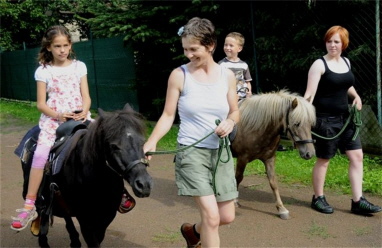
column 32, row 133
column 58, row 161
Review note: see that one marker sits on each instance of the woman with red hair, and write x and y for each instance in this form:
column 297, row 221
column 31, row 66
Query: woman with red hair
column 330, row 85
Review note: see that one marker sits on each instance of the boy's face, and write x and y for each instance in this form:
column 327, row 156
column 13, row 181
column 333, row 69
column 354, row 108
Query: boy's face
column 232, row 47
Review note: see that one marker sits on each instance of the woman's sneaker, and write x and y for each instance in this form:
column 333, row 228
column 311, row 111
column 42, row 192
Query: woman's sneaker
column 364, row 207
column 321, row 205
column 23, row 219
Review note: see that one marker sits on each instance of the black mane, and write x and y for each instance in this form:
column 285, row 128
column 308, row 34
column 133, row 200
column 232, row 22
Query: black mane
column 106, row 127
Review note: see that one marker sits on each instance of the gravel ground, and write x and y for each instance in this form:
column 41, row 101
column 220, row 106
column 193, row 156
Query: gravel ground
column 156, row 220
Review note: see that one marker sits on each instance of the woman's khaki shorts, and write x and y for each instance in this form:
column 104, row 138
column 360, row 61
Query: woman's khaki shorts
column 194, row 169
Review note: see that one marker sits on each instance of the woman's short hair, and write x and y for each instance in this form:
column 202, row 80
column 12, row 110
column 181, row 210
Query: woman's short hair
column 202, row 30
column 344, row 35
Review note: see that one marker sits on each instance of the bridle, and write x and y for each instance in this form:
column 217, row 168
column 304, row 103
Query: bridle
column 296, row 142
column 129, row 167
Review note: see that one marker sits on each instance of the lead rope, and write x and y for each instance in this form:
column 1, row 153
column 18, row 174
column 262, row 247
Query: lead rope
column 223, row 144
column 180, row 149
column 357, row 121
column 355, row 115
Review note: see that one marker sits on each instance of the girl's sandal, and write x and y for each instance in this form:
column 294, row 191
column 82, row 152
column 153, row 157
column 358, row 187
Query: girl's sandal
column 20, row 222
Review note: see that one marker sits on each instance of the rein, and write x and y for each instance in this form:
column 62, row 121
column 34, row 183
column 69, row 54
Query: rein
column 355, row 115
column 223, row 144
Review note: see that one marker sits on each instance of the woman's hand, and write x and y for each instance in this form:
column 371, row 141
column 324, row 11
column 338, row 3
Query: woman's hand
column 357, row 101
column 225, row 128
column 149, row 147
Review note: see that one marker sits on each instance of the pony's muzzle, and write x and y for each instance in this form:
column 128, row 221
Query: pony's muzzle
column 142, row 186
column 142, row 182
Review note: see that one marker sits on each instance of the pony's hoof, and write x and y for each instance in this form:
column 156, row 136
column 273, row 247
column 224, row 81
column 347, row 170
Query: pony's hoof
column 284, row 216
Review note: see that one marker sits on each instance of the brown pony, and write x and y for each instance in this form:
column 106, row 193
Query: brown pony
column 263, row 118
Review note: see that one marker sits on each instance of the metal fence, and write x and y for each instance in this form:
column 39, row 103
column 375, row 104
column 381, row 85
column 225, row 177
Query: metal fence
column 364, row 51
column 302, row 36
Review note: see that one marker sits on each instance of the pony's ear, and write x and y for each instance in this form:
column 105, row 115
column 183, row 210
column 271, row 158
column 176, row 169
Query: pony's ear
column 101, row 112
column 127, row 107
column 294, row 103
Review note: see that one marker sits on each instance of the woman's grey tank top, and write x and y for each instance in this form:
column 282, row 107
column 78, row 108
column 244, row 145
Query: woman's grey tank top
column 199, row 105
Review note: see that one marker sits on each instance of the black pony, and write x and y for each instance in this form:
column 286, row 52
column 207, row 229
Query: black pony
column 90, row 183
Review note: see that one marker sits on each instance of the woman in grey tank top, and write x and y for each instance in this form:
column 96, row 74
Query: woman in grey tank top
column 203, row 91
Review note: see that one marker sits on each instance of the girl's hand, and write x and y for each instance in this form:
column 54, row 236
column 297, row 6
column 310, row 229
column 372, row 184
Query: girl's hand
column 79, row 115
column 66, row 116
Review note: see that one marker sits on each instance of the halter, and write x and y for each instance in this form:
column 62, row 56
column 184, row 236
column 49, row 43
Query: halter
column 296, row 142
column 129, row 167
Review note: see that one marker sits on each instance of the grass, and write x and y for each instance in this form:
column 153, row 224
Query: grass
column 168, row 237
column 23, row 110
column 290, row 168
column 318, row 231
column 361, row 231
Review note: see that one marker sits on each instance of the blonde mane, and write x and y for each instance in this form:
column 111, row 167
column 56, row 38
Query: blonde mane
column 271, row 108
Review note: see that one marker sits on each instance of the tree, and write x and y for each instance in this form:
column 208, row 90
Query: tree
column 150, row 27
column 281, row 43
column 23, row 22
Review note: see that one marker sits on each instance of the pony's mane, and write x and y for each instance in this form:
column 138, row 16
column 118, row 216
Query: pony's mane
column 265, row 109
column 110, row 125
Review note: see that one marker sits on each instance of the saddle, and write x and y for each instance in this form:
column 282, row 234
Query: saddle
column 66, row 134
column 66, row 130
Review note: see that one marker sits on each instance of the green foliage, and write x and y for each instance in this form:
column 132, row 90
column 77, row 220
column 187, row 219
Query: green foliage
column 281, row 43
column 138, row 21
column 150, row 27
column 23, row 22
